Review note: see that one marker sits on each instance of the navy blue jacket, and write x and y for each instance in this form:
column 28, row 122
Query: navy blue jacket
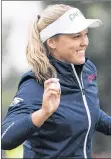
column 68, row 132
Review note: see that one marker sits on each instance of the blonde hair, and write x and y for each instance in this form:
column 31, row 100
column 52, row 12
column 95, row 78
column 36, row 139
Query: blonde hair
column 36, row 51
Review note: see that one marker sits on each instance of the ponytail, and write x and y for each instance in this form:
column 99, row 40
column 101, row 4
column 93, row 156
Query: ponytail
column 36, row 51
column 37, row 56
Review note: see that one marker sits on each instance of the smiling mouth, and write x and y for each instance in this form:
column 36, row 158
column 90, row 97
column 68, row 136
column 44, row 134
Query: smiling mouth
column 81, row 52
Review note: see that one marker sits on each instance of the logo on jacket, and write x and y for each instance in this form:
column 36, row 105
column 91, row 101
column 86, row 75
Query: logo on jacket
column 91, row 77
column 16, row 101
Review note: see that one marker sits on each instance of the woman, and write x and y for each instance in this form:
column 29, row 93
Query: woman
column 56, row 108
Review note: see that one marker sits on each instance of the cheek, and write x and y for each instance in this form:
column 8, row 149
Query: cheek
column 70, row 50
column 70, row 46
column 87, row 41
column 73, row 48
column 65, row 48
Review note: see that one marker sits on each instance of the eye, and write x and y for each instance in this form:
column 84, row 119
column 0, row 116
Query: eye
column 86, row 33
column 76, row 36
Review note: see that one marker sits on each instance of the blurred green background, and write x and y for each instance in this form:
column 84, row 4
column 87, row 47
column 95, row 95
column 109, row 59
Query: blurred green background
column 16, row 19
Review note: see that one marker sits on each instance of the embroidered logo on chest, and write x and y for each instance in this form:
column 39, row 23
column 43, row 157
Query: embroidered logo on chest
column 91, row 77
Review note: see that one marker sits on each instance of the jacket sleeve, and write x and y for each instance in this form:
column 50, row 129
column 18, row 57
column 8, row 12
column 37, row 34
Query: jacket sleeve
column 17, row 125
column 104, row 123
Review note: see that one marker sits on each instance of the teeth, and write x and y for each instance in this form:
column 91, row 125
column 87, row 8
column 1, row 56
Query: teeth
column 81, row 52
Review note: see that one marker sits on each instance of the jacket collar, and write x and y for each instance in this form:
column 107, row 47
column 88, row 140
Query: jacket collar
column 64, row 68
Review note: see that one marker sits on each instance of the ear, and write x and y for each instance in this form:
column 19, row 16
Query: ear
column 51, row 43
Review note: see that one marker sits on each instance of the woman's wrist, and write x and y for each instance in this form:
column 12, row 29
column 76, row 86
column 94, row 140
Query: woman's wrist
column 39, row 117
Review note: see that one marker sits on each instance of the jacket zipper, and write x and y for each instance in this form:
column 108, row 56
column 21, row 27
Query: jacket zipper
column 81, row 85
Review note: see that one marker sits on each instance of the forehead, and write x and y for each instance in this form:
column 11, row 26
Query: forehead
column 82, row 32
column 66, row 36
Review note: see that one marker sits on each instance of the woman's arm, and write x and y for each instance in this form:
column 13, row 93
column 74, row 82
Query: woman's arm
column 18, row 125
column 31, row 107
column 17, row 129
column 104, row 123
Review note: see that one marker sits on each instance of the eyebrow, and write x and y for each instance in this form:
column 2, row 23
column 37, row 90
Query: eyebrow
column 80, row 32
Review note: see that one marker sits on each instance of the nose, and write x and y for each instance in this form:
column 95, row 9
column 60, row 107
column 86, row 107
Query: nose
column 84, row 41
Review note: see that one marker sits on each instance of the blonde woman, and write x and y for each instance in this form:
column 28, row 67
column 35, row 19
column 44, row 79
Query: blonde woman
column 56, row 108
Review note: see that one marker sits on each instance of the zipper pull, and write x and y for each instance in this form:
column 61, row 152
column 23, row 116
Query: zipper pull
column 83, row 91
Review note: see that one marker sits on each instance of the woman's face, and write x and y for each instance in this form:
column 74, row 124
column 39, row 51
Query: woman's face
column 70, row 48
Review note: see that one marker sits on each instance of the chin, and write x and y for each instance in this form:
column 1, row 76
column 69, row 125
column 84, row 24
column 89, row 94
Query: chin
column 81, row 62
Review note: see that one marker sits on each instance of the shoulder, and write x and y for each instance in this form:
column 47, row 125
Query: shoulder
column 91, row 66
column 29, row 85
column 29, row 92
column 27, row 76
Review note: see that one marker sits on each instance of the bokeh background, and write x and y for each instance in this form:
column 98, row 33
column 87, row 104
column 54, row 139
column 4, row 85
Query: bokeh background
column 17, row 17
